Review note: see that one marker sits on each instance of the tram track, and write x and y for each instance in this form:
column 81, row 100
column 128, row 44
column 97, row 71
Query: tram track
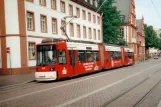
column 146, row 95
column 132, row 88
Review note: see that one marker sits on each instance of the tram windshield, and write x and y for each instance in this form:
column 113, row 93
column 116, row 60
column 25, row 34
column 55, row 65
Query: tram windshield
column 46, row 55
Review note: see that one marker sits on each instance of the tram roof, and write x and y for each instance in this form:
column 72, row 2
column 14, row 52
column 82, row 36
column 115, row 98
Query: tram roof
column 81, row 46
column 129, row 50
column 112, row 48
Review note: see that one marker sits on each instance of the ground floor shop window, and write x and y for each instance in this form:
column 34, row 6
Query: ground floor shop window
column 32, row 50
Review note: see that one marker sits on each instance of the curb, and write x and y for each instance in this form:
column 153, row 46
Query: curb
column 21, row 83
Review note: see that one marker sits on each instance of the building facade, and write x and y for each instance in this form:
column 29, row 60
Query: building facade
column 128, row 29
column 24, row 23
column 140, row 39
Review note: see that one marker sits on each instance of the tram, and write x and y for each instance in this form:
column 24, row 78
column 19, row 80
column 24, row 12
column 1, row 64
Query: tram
column 60, row 59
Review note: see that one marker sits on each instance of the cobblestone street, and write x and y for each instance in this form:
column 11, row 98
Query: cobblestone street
column 122, row 87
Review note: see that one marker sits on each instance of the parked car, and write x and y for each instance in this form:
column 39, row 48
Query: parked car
column 156, row 57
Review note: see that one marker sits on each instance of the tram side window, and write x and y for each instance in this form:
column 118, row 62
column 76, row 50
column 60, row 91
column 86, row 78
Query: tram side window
column 129, row 54
column 96, row 56
column 62, row 56
column 112, row 55
column 108, row 56
column 81, row 55
column 89, row 56
column 115, row 55
column 118, row 55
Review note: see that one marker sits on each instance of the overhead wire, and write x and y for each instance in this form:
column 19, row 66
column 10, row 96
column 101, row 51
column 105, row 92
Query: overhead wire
column 156, row 9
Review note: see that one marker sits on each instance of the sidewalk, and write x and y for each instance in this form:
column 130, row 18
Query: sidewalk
column 16, row 79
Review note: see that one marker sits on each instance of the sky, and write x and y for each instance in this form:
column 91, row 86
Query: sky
column 145, row 8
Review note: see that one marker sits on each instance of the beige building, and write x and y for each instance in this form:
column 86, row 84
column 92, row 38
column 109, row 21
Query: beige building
column 24, row 23
column 140, row 39
column 129, row 28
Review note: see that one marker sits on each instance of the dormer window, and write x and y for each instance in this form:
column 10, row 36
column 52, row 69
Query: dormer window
column 95, row 3
column 91, row 2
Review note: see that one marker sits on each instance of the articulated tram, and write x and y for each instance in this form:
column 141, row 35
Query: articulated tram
column 60, row 59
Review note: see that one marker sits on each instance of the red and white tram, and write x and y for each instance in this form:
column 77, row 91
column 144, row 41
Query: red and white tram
column 61, row 59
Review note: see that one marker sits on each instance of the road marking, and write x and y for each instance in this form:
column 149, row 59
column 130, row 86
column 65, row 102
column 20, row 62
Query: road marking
column 159, row 105
column 13, row 98
column 103, row 88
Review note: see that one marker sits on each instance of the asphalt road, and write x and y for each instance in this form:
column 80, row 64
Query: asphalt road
column 130, row 86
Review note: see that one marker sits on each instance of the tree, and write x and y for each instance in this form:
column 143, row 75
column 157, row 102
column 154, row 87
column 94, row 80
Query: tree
column 160, row 35
column 111, row 23
column 151, row 39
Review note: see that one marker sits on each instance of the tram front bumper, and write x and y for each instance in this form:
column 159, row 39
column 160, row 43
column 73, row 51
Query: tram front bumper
column 45, row 76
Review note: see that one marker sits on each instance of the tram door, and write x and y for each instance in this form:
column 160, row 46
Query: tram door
column 72, row 54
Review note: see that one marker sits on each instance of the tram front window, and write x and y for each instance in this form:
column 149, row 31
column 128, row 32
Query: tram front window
column 46, row 55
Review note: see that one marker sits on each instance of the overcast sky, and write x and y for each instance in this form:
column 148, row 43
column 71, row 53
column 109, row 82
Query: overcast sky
column 146, row 8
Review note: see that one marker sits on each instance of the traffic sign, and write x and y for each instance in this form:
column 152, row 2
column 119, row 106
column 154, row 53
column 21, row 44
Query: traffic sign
column 8, row 49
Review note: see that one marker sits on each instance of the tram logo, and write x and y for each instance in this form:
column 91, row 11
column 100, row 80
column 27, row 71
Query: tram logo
column 64, row 71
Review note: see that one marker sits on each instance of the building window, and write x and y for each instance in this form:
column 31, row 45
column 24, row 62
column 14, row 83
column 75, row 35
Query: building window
column 95, row 3
column 94, row 34
column 70, row 10
column 122, row 32
column 42, row 2
column 32, row 50
column 84, row 14
column 54, row 25
column 43, row 23
column 98, row 20
column 71, row 29
column 30, row 0
column 91, row 2
column 90, row 33
column 78, row 31
column 84, row 32
column 62, row 6
column 89, row 16
column 78, row 12
column 122, row 17
column 30, row 21
column 63, row 23
column 94, row 19
column 99, row 35
column 53, row 4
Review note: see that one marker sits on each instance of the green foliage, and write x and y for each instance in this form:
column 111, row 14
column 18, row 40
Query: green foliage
column 151, row 39
column 111, row 23
column 160, row 35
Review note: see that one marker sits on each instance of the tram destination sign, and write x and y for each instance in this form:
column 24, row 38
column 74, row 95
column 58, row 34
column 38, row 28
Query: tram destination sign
column 88, row 48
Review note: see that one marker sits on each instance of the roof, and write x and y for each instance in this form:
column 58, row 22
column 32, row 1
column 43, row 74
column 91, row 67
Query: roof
column 124, row 7
column 139, row 25
column 87, row 5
